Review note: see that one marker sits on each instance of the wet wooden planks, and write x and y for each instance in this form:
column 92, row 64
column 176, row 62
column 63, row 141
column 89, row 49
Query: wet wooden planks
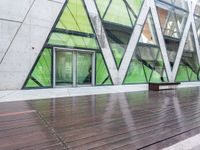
column 21, row 128
column 139, row 120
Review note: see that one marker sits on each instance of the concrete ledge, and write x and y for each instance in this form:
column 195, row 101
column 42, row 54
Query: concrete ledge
column 20, row 95
column 188, row 144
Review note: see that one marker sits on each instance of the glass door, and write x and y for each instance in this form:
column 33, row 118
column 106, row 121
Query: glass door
column 64, row 68
column 73, row 68
column 84, row 68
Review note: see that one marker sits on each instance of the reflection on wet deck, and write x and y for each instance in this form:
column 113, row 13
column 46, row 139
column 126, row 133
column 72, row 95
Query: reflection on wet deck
column 139, row 120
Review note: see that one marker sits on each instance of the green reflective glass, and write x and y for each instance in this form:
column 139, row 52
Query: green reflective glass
column 182, row 74
column 189, row 62
column 31, row 84
column 41, row 74
column 114, row 13
column 118, row 42
column 102, row 75
column 147, row 66
column 64, row 68
column 72, row 41
column 128, row 12
column 74, row 17
column 135, row 73
column 118, row 23
column 84, row 68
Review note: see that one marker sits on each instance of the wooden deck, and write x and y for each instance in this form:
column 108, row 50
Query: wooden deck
column 139, row 120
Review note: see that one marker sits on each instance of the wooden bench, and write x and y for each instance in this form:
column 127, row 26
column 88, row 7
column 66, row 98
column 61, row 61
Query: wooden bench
column 163, row 86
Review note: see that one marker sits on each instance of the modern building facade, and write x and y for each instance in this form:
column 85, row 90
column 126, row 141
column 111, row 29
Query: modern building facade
column 71, row 43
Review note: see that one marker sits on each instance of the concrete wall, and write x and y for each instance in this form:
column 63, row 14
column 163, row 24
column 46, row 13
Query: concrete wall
column 24, row 27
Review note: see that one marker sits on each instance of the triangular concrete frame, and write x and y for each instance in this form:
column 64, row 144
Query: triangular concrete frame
column 190, row 22
column 119, row 75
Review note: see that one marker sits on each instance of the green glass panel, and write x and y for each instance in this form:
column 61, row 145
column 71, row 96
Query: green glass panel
column 84, row 68
column 114, row 13
column 182, row 74
column 193, row 76
column 102, row 6
column 109, row 11
column 135, row 73
column 155, row 77
column 72, row 41
column 109, row 7
column 118, row 52
column 119, row 23
column 108, row 81
column 41, row 75
column 148, row 35
column 74, row 17
column 135, row 6
column 102, row 75
column 31, row 84
column 64, row 63
column 118, row 41
column 189, row 59
column 149, row 66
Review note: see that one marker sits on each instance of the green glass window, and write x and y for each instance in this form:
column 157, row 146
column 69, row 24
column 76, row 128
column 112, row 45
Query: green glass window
column 74, row 17
column 102, row 75
column 136, row 72
column 147, row 64
column 61, row 39
column 128, row 12
column 74, row 28
column 118, row 23
column 41, row 74
column 189, row 65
